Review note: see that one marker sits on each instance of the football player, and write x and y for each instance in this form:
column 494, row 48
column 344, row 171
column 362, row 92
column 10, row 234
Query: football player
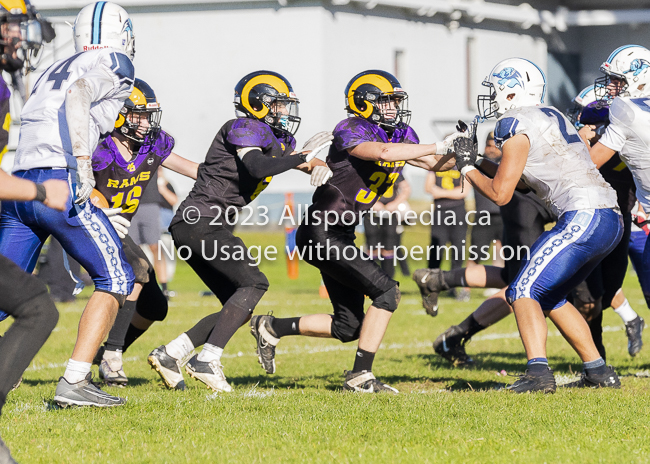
column 123, row 165
column 245, row 155
column 72, row 103
column 626, row 85
column 369, row 151
column 542, row 148
column 601, row 289
column 24, row 297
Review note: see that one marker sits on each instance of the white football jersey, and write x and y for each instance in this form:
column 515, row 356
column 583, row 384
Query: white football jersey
column 44, row 138
column 558, row 169
column 629, row 134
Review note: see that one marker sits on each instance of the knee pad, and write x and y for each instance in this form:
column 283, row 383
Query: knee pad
column 346, row 331
column 152, row 303
column 388, row 300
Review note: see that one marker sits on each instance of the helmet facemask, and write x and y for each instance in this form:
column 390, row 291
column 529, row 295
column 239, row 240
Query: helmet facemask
column 486, row 103
column 390, row 110
column 283, row 113
column 610, row 85
column 133, row 119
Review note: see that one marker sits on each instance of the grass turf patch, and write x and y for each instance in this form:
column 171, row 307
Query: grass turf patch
column 301, row 414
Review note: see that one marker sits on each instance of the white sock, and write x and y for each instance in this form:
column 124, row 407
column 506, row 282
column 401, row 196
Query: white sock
column 210, row 353
column 76, row 371
column 626, row 312
column 179, row 347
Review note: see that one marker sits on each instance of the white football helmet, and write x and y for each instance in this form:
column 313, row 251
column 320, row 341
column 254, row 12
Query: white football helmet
column 631, row 64
column 102, row 25
column 513, row 83
column 584, row 98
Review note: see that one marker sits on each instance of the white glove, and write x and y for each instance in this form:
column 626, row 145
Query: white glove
column 447, row 145
column 85, row 180
column 317, row 144
column 120, row 224
column 320, row 175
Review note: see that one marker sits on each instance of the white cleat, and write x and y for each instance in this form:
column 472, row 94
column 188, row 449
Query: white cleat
column 210, row 373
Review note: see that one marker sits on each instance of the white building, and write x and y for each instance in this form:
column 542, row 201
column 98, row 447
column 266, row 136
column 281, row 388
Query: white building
column 193, row 54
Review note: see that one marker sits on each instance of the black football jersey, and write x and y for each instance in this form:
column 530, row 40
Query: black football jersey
column 223, row 180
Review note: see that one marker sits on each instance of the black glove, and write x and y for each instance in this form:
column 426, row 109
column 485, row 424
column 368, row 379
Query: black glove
column 466, row 154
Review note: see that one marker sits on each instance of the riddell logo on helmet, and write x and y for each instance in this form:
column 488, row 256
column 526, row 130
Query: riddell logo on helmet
column 94, row 47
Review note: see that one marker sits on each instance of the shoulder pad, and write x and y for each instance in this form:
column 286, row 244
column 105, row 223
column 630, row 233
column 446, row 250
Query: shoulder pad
column 622, row 110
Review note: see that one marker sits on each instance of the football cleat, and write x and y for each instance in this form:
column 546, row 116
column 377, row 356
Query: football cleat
column 608, row 379
column 365, row 382
column 634, row 331
column 260, row 326
column 84, row 393
column 430, row 283
column 168, row 367
column 210, row 373
column 535, row 382
column 5, row 455
column 112, row 375
column 451, row 345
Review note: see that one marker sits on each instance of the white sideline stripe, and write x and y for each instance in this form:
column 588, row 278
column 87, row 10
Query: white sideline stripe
column 328, row 349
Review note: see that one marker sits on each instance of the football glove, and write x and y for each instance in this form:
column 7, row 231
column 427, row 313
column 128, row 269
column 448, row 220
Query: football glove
column 315, row 145
column 85, row 180
column 120, row 224
column 320, row 175
column 466, row 154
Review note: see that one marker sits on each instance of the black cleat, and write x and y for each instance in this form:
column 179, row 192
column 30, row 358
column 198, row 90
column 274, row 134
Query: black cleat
column 608, row 379
column 168, row 367
column 365, row 382
column 430, row 283
column 266, row 341
column 451, row 345
column 634, row 331
column 535, row 382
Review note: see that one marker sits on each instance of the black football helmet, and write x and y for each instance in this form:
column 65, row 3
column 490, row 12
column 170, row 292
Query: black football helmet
column 378, row 97
column 268, row 97
column 142, row 101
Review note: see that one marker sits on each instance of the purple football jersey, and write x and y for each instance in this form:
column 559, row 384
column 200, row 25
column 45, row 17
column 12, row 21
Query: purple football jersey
column 122, row 182
column 357, row 184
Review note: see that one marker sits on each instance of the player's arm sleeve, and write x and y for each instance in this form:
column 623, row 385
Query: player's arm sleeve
column 621, row 117
column 352, row 132
column 507, row 128
column 112, row 80
column 411, row 136
column 260, row 165
column 614, row 137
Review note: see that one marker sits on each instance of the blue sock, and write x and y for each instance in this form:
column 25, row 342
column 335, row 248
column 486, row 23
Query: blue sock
column 537, row 365
column 595, row 367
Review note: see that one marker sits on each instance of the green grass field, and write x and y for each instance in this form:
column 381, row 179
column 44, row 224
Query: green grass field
column 300, row 414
